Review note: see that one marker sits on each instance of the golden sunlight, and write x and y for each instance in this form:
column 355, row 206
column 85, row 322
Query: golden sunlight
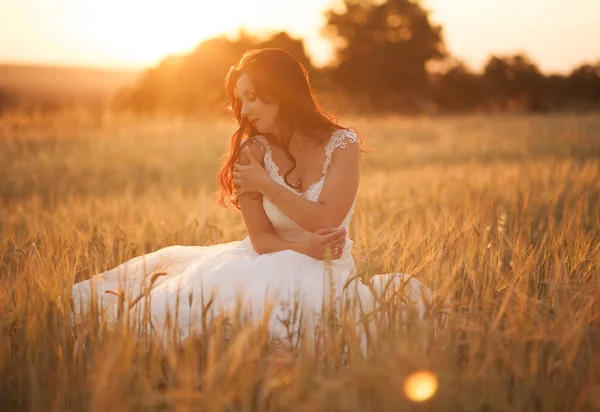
column 420, row 386
column 143, row 32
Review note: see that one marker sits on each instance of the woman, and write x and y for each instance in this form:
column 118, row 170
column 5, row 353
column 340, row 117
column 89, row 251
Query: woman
column 294, row 174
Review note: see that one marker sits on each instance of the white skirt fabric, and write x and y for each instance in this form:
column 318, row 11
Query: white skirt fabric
column 171, row 286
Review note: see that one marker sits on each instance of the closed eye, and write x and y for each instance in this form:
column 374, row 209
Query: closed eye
column 250, row 94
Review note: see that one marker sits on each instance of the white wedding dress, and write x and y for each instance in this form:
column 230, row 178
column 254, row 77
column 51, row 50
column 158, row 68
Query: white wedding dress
column 228, row 272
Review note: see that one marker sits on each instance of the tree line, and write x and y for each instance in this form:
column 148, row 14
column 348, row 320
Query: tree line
column 389, row 56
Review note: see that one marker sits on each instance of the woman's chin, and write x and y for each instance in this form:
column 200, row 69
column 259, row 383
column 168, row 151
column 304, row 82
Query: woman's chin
column 264, row 129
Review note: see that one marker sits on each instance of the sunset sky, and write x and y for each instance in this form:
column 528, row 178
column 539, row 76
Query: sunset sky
column 137, row 33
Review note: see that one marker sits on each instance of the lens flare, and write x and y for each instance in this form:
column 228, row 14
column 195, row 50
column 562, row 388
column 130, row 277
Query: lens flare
column 420, row 386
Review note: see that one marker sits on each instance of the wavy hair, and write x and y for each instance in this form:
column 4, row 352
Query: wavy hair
column 277, row 77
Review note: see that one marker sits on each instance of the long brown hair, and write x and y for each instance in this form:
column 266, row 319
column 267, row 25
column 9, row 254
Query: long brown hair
column 277, row 77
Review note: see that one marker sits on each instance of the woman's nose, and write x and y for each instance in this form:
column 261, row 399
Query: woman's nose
column 244, row 110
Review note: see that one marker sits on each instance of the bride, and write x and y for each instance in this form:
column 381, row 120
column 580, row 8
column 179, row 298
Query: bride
column 294, row 173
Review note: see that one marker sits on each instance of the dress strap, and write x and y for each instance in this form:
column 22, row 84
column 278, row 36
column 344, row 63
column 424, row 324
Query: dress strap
column 339, row 139
column 270, row 165
column 262, row 142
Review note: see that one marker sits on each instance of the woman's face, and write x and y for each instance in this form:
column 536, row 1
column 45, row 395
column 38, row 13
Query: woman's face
column 263, row 116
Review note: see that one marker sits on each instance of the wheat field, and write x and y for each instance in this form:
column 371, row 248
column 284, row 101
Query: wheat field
column 499, row 215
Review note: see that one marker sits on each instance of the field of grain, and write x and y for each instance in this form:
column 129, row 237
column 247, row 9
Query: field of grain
column 499, row 215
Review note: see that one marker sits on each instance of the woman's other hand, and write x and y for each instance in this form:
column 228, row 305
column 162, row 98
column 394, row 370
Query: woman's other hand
column 324, row 240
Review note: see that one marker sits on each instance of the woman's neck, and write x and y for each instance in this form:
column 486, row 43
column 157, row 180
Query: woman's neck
column 300, row 142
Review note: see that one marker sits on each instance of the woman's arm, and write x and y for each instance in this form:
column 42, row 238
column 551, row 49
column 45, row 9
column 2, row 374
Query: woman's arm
column 335, row 199
column 261, row 232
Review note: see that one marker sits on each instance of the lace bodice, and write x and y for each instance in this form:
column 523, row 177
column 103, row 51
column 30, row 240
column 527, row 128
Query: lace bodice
column 285, row 227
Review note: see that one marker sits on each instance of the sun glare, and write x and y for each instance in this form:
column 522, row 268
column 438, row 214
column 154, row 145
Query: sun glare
column 420, row 386
column 142, row 32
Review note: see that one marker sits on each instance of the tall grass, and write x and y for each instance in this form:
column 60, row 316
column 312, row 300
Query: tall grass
column 499, row 215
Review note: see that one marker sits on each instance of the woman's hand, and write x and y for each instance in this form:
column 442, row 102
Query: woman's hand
column 323, row 240
column 249, row 178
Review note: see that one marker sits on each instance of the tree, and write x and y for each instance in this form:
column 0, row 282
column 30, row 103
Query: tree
column 457, row 88
column 514, row 81
column 383, row 48
column 193, row 83
column 584, row 84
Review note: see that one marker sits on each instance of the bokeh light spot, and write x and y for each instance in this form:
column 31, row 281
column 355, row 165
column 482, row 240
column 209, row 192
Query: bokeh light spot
column 420, row 386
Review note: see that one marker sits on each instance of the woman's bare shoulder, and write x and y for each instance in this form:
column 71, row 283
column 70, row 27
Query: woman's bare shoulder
column 256, row 147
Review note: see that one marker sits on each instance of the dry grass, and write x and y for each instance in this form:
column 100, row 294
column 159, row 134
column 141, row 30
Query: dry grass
column 501, row 215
